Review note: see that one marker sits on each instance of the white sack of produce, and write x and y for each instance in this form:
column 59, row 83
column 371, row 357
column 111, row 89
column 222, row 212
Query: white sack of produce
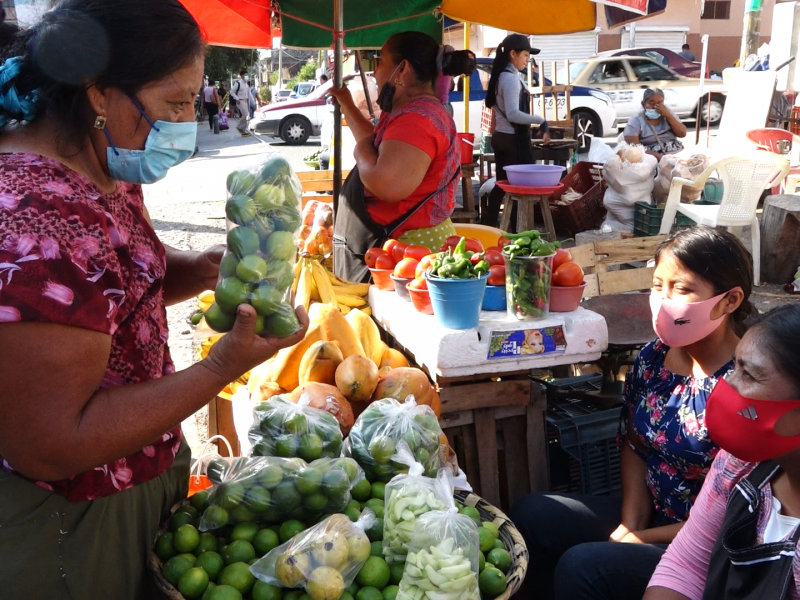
column 628, row 183
column 357, row 91
column 599, row 151
column 686, row 168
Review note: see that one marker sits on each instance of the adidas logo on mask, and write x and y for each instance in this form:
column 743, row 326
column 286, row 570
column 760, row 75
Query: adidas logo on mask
column 748, row 413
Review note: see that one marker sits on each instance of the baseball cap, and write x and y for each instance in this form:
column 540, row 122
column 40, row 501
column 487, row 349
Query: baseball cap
column 518, row 42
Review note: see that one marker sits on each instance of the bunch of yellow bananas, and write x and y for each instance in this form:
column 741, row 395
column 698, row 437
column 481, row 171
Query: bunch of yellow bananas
column 313, row 282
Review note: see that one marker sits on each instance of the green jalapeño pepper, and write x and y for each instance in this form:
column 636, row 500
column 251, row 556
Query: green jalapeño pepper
column 461, row 246
column 545, row 249
column 482, row 267
column 532, row 234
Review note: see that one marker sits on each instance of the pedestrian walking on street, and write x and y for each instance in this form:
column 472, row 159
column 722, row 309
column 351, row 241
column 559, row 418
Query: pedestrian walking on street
column 213, row 103
column 240, row 92
column 253, row 101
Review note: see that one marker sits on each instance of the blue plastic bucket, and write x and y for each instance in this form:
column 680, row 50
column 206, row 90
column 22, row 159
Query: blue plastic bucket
column 457, row 302
column 494, row 298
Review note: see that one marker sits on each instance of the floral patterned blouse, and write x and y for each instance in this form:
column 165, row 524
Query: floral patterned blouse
column 73, row 255
column 667, row 413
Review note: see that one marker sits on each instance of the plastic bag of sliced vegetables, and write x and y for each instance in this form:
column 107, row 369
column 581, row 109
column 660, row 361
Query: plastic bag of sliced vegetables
column 269, row 489
column 263, row 218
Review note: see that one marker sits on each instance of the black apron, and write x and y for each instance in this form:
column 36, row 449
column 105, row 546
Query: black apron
column 355, row 231
column 740, row 570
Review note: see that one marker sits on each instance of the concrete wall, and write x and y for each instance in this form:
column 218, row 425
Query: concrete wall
column 725, row 36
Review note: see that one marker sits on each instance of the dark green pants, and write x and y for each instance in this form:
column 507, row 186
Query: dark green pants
column 54, row 549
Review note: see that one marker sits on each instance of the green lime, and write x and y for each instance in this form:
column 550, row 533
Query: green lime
column 232, row 495
column 481, row 561
column 281, row 245
column 293, row 595
column 240, row 209
column 209, row 590
column 390, row 592
column 244, row 531
column 225, row 592
column 189, row 510
column 286, row 446
column 291, row 528
column 286, row 496
column 385, row 472
column 227, row 266
column 286, row 218
column 310, row 448
column 499, row 544
column 215, row 517
column 219, row 320
column 492, row 582
column 240, row 551
column 258, row 499
column 179, row 519
column 193, row 583
column 175, row 567
column 376, row 505
column 296, row 424
column 282, row 323
column 382, row 448
column 378, row 490
column 280, row 274
column 199, row 500
column 265, row 591
column 241, row 513
column 335, row 483
column 230, row 293
column 361, row 491
column 472, row 513
column 369, row 593
column 346, row 596
column 265, row 540
column 186, row 538
column 309, row 481
column 264, row 447
column 266, row 299
column 352, row 513
column 240, row 182
column 487, row 538
column 500, row 558
column 275, row 170
column 352, row 589
column 315, row 502
column 375, row 532
column 164, row 548
column 375, row 573
column 270, row 476
column 238, row 575
column 190, row 557
column 422, row 456
column 251, row 269
column 242, row 241
column 268, row 197
column 263, row 226
column 208, row 543
column 396, row 573
column 211, row 563
column 376, row 548
column 491, row 526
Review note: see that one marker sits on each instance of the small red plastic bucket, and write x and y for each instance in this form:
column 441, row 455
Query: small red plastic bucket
column 465, row 141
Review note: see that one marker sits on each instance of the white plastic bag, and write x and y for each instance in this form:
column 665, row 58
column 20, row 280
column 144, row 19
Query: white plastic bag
column 628, row 183
column 599, row 151
column 687, row 168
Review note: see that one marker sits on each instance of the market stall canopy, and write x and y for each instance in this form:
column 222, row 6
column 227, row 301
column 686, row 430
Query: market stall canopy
column 533, row 17
column 236, row 23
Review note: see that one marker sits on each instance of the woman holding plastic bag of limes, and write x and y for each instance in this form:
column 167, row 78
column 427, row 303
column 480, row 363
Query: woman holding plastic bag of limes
column 96, row 99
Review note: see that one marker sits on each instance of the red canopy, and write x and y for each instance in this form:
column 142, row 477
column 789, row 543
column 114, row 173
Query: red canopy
column 237, row 23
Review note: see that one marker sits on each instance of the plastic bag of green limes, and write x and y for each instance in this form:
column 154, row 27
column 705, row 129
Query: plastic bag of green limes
column 267, row 489
column 323, row 559
column 263, row 218
column 283, row 428
column 376, row 433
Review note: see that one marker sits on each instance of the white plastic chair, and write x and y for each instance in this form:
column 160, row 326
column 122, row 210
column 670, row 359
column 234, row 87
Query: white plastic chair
column 791, row 184
column 744, row 179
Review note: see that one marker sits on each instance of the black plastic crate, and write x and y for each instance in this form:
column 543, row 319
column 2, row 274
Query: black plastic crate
column 579, row 422
column 569, row 386
column 647, row 219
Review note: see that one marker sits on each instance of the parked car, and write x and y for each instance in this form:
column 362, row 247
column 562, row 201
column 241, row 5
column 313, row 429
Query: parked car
column 301, row 90
column 282, row 95
column 592, row 111
column 662, row 56
column 624, row 79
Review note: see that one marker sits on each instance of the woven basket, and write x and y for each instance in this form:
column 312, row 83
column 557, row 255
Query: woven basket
column 511, row 538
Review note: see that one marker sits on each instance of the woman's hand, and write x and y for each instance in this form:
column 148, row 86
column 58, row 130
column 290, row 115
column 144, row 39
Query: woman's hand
column 546, row 137
column 241, row 348
column 207, row 266
column 619, row 533
column 343, row 97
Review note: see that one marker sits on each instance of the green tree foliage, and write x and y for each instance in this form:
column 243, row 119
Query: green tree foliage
column 222, row 63
column 307, row 72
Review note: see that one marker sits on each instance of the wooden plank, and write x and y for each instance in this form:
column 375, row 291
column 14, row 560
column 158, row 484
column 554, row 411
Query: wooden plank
column 615, row 282
column 485, row 395
column 536, row 436
column 584, row 255
column 463, row 379
column 319, row 185
column 471, row 462
column 223, row 425
column 316, row 175
column 592, row 288
column 486, row 434
column 508, row 412
column 515, row 445
column 457, row 419
column 623, row 251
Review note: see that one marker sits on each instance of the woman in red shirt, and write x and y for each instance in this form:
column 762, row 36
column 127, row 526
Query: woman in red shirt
column 407, row 166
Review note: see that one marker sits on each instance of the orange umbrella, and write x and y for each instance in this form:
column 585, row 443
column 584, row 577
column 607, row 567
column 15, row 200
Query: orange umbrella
column 236, row 23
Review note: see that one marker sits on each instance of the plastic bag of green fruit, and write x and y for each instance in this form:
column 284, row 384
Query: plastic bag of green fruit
column 375, row 436
column 442, row 559
column 268, row 489
column 283, row 428
column 407, row 498
column 323, row 559
column 263, row 219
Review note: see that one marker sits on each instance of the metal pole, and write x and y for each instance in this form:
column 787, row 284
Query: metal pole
column 280, row 64
column 338, row 51
column 360, row 68
column 466, row 80
column 632, row 35
column 703, row 63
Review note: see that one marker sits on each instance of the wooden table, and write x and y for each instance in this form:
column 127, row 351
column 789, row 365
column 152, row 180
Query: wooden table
column 526, row 199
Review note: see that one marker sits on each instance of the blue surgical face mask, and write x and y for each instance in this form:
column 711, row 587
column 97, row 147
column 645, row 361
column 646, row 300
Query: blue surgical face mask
column 651, row 113
column 167, row 145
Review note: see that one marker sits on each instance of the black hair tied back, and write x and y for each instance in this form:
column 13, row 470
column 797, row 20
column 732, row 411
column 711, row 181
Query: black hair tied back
column 458, row 62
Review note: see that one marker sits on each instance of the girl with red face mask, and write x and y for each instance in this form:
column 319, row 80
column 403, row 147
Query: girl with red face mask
column 599, row 547
column 741, row 539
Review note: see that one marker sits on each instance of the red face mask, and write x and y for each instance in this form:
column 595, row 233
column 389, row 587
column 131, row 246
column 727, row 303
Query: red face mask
column 746, row 427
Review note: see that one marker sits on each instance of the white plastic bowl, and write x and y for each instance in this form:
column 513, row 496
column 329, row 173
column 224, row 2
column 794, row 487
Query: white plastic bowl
column 534, row 175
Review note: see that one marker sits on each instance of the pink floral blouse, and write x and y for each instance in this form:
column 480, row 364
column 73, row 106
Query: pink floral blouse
column 73, row 255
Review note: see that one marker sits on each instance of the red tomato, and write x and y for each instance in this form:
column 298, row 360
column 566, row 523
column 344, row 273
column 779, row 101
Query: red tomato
column 372, row 255
column 397, row 252
column 493, row 257
column 471, row 244
column 561, row 257
column 420, row 283
column 388, row 245
column 406, row 268
column 495, row 248
column 424, row 265
column 384, row 261
column 416, row 252
column 497, row 275
column 476, row 258
column 568, row 275
column 502, row 241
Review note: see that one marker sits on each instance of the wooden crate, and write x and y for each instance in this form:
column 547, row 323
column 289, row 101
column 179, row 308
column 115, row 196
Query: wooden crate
column 314, row 182
column 220, row 422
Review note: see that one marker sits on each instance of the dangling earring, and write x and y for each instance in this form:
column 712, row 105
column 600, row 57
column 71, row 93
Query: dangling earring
column 100, row 122
column 399, row 82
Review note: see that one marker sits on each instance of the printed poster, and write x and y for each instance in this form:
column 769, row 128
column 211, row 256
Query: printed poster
column 528, row 342
column 637, row 6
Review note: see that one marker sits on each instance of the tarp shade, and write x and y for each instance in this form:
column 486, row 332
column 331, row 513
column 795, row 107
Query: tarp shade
column 236, row 23
column 616, row 17
column 367, row 23
column 532, row 17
